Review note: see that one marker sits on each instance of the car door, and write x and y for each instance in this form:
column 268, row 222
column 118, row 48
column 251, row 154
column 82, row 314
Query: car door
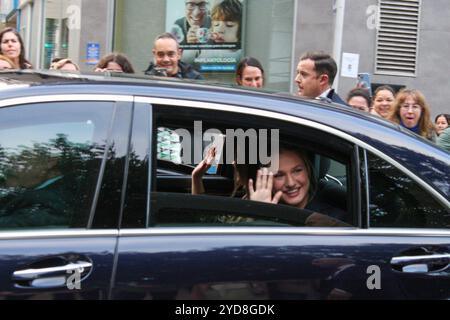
column 182, row 246
column 62, row 165
column 409, row 221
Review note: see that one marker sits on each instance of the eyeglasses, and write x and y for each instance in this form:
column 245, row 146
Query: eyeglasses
column 201, row 5
column 415, row 107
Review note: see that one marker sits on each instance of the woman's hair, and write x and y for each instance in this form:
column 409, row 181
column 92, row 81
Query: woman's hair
column 23, row 63
column 118, row 58
column 426, row 127
column 5, row 58
column 228, row 10
column 248, row 62
column 360, row 92
column 383, row 88
column 58, row 63
column 445, row 115
column 242, row 174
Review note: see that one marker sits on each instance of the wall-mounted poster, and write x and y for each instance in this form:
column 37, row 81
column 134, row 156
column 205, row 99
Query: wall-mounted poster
column 208, row 31
column 92, row 53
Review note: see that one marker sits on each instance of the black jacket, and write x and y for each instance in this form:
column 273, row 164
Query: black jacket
column 185, row 71
column 334, row 97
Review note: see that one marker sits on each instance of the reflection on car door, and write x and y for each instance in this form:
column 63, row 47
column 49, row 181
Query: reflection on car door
column 56, row 265
column 275, row 264
column 59, row 224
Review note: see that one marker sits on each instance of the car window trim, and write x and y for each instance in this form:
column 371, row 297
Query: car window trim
column 316, row 231
column 355, row 188
column 297, row 120
column 366, row 186
column 61, row 233
column 102, row 169
column 151, row 160
column 65, row 98
column 127, row 166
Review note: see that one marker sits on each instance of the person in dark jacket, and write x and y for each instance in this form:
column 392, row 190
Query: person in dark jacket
column 167, row 60
column 315, row 76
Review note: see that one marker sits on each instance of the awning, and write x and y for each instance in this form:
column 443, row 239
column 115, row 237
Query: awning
column 12, row 15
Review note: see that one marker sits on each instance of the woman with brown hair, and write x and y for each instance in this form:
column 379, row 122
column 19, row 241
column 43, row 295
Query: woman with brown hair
column 114, row 62
column 441, row 123
column 65, row 64
column 250, row 73
column 411, row 111
column 11, row 46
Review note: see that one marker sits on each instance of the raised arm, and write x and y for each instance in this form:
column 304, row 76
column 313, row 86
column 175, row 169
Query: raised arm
column 200, row 170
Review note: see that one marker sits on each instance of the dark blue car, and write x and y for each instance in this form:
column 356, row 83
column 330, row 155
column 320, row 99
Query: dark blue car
column 96, row 203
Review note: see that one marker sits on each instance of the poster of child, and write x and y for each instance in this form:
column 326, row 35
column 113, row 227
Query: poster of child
column 226, row 20
column 208, row 31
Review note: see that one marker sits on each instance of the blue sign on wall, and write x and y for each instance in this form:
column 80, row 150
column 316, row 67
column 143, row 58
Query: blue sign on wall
column 92, row 53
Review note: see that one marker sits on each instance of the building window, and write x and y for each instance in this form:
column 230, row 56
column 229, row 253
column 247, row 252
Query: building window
column 266, row 34
column 398, row 37
column 61, row 39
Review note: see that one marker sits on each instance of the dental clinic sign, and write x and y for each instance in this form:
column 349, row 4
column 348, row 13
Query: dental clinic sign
column 210, row 32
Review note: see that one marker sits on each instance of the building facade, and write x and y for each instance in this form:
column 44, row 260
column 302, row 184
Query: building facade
column 397, row 42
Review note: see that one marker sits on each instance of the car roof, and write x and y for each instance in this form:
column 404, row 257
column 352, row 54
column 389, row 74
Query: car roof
column 22, row 83
column 55, row 80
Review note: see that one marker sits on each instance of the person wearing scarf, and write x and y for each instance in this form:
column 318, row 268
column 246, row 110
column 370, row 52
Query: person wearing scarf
column 411, row 111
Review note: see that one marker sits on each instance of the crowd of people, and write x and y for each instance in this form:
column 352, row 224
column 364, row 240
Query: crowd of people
column 316, row 72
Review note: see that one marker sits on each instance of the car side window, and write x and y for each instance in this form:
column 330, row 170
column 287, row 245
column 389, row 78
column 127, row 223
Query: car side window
column 397, row 201
column 177, row 151
column 50, row 158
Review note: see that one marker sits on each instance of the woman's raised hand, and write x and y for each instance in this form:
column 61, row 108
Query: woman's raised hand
column 205, row 164
column 263, row 190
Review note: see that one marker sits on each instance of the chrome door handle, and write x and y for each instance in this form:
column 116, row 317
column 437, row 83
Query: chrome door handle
column 31, row 274
column 419, row 259
column 422, row 264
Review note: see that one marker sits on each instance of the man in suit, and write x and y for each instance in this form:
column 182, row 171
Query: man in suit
column 315, row 76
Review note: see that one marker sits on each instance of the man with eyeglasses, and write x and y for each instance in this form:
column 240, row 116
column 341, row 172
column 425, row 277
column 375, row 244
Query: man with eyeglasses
column 196, row 16
column 167, row 60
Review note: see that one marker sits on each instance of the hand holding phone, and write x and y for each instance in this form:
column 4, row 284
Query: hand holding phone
column 364, row 82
